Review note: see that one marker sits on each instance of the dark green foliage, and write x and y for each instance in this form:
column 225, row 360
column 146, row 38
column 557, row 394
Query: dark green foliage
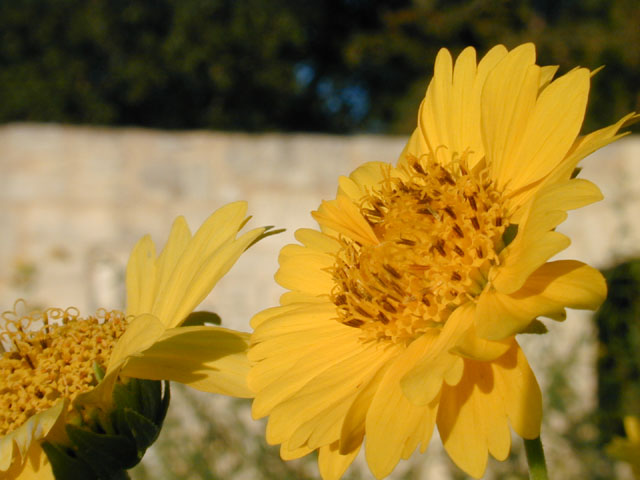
column 618, row 323
column 107, row 444
column 333, row 66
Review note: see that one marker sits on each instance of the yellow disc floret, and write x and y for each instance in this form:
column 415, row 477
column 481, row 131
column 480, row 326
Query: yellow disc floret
column 439, row 230
column 51, row 355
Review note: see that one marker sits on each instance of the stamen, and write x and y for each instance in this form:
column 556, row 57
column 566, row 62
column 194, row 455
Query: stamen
column 51, row 356
column 438, row 230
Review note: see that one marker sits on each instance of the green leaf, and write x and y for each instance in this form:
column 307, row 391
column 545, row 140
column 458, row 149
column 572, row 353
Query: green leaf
column 105, row 454
column 143, row 430
column 65, row 464
column 166, row 399
column 267, row 233
column 197, row 319
column 98, row 372
column 576, row 172
column 536, row 327
column 510, row 233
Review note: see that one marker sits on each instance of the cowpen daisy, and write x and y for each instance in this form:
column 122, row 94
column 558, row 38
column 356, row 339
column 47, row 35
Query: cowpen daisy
column 53, row 366
column 402, row 310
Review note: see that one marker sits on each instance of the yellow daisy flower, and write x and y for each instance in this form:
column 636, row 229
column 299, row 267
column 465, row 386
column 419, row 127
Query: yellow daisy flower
column 402, row 311
column 50, row 358
column 628, row 449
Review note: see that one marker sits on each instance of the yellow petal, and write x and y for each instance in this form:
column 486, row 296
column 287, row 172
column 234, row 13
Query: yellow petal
column 282, row 374
column 435, row 119
column 550, row 131
column 141, row 333
column 332, row 463
column 367, row 176
column 632, row 428
column 269, row 313
column 317, row 240
column 287, row 454
column 536, row 241
column 394, row 425
column 212, row 359
column 353, row 427
column 337, row 384
column 216, row 233
column 473, row 347
column 210, row 271
column 422, row 383
column 343, row 216
column 551, row 288
column 472, row 419
column 518, row 387
column 141, row 277
column 546, row 75
column 588, row 144
column 35, row 466
column 20, row 451
column 301, row 297
column 168, row 259
column 305, row 270
column 508, row 97
column 296, row 319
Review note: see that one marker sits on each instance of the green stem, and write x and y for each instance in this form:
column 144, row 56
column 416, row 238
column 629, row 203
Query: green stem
column 535, row 458
column 120, row 475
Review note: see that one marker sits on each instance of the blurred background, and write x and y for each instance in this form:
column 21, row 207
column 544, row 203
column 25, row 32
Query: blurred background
column 116, row 116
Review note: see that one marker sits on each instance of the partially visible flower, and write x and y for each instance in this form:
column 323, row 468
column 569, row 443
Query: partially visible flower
column 403, row 310
column 53, row 363
column 628, row 449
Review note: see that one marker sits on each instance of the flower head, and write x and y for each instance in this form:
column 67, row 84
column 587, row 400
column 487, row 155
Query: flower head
column 402, row 310
column 54, row 361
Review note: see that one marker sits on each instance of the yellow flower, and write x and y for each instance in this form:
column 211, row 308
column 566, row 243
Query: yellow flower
column 402, row 311
column 51, row 356
column 628, row 449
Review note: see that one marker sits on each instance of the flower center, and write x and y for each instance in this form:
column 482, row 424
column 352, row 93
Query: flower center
column 439, row 232
column 51, row 356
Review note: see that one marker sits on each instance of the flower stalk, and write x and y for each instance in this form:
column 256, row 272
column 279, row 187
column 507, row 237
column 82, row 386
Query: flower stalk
column 535, row 459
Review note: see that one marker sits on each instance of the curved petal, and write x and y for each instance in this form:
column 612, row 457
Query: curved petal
column 20, row 451
column 204, row 275
column 141, row 277
column 305, row 270
column 362, row 179
column 450, row 113
column 316, row 240
column 212, row 359
column 588, row 144
column 35, row 466
column 335, row 388
column 551, row 129
column 141, row 333
column 178, row 240
column 508, row 97
column 473, row 347
column 472, row 420
column 423, row 382
column 332, row 463
column 210, row 243
column 343, row 216
column 551, row 288
column 517, row 385
column 394, row 425
column 536, row 240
